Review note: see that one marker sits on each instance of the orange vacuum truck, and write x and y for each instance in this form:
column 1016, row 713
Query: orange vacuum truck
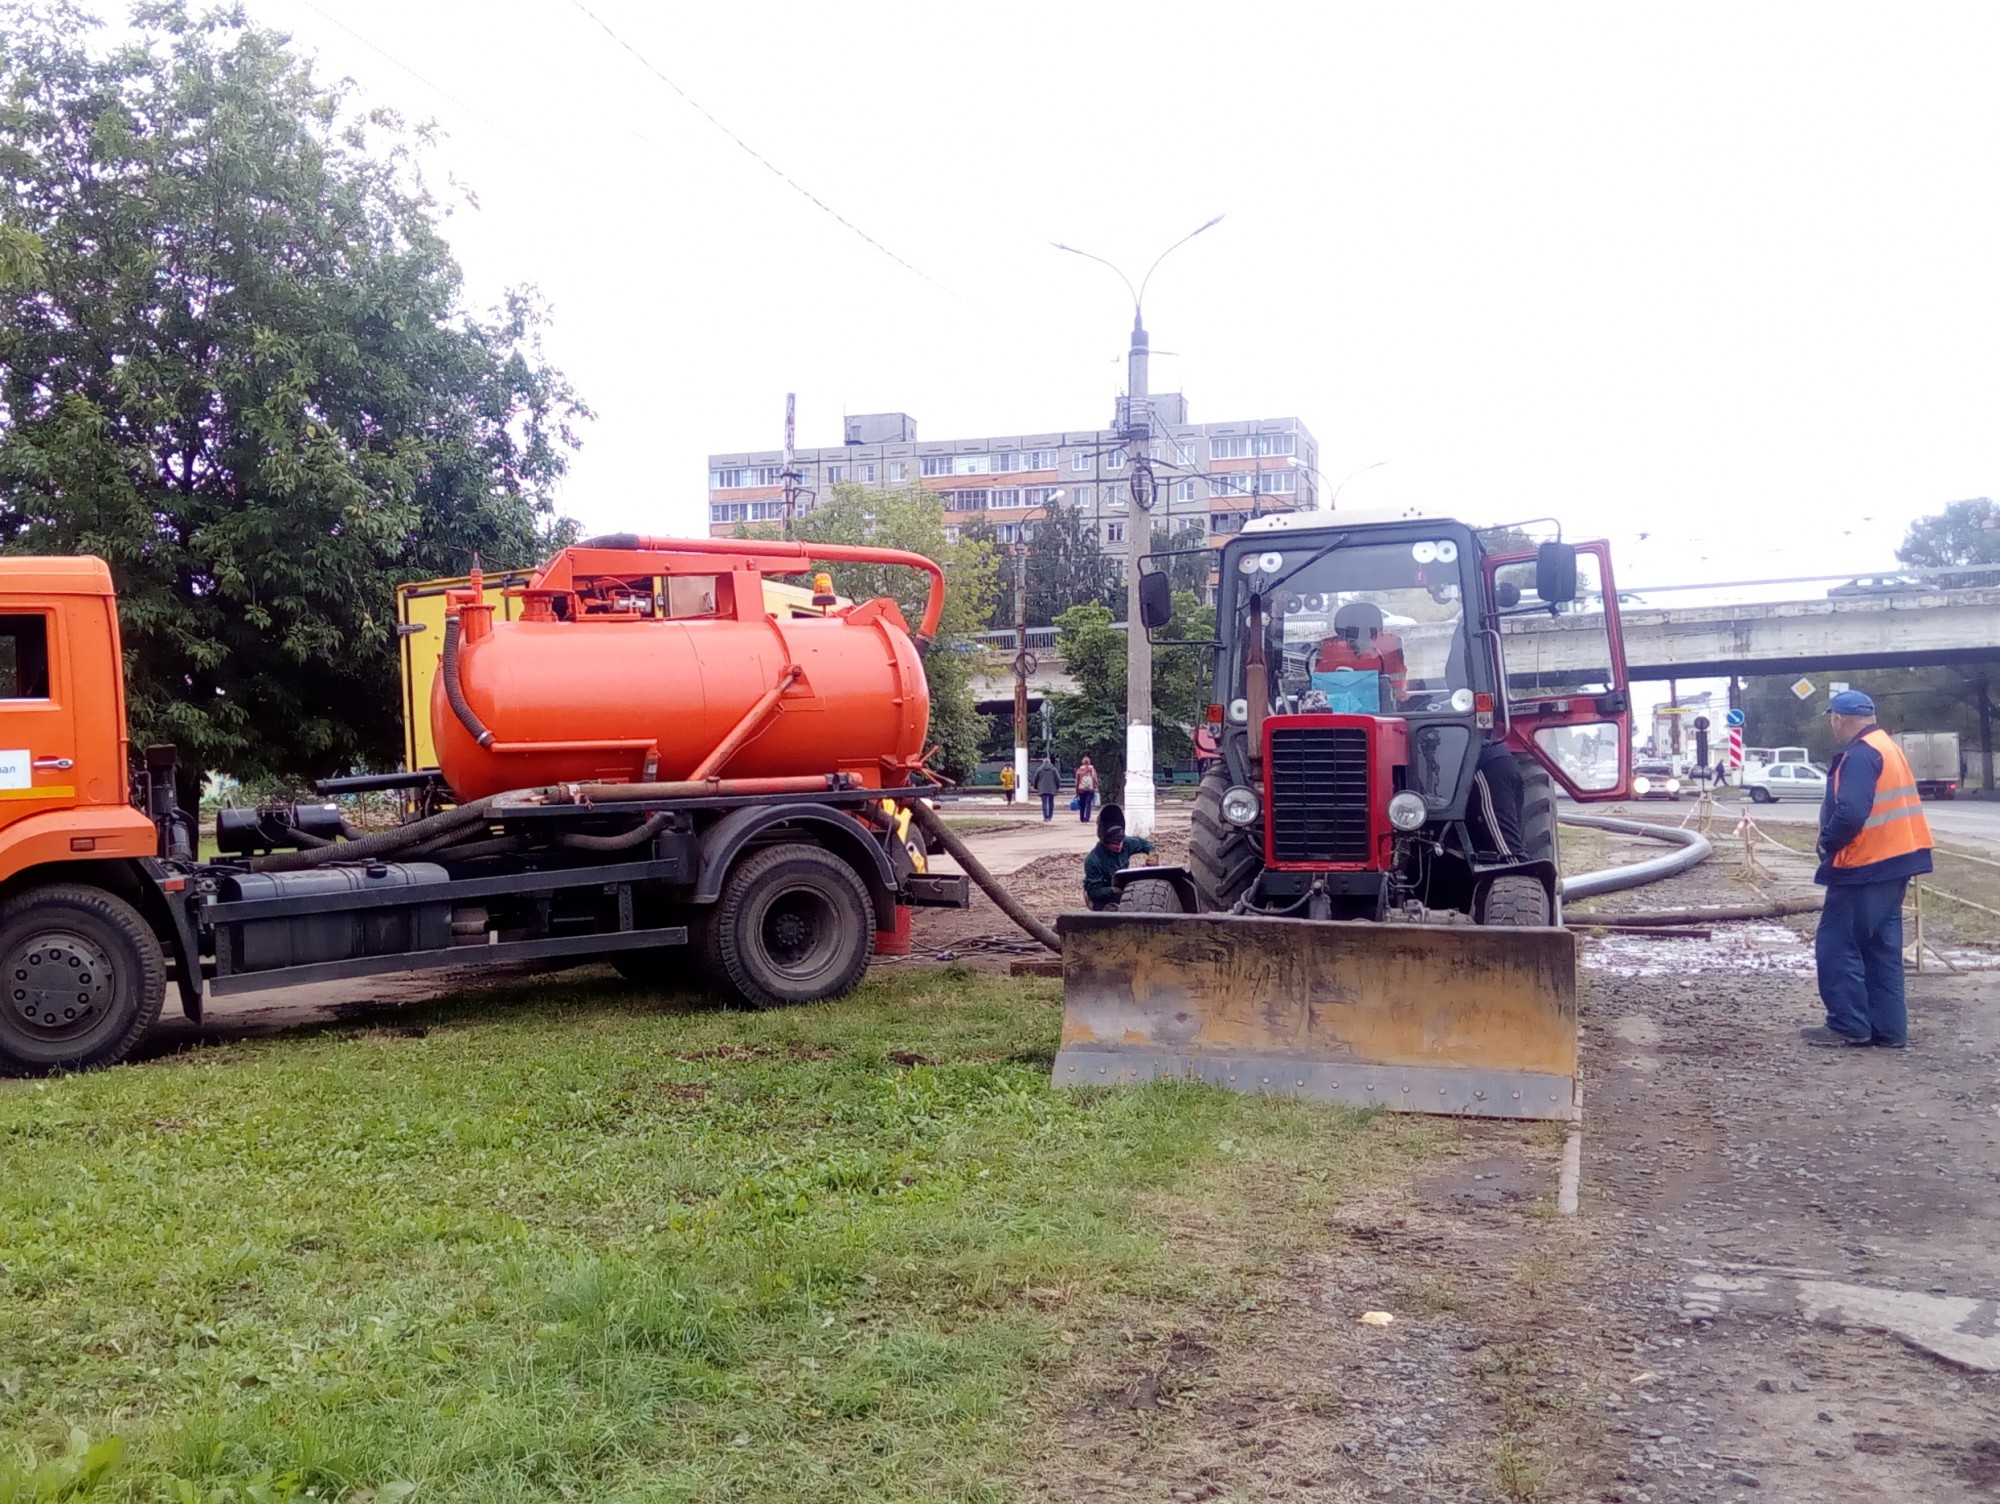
column 645, row 765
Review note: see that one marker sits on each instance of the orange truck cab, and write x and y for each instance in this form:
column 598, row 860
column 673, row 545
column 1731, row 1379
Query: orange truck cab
column 742, row 789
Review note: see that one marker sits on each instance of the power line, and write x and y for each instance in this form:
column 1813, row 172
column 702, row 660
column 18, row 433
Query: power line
column 752, row 152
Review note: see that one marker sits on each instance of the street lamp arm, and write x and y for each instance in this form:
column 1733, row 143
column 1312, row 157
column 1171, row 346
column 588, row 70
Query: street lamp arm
column 1102, row 262
column 1139, row 299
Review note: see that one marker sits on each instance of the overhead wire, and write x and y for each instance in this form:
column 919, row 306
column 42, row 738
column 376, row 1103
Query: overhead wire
column 786, row 178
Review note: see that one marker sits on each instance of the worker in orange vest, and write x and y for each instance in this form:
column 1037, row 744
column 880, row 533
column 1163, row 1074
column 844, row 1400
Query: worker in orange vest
column 1873, row 838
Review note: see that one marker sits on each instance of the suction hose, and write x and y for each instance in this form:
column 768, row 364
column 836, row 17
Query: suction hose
column 943, row 835
column 454, row 692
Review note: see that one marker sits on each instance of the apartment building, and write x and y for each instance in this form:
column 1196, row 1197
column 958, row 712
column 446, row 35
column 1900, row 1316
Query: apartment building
column 1212, row 476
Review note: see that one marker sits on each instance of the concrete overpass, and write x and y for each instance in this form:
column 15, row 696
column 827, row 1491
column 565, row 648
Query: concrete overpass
column 1914, row 630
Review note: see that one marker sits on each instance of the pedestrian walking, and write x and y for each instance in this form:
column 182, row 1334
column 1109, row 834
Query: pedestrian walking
column 1112, row 853
column 1086, row 789
column 1048, row 783
column 1007, row 783
column 1873, row 838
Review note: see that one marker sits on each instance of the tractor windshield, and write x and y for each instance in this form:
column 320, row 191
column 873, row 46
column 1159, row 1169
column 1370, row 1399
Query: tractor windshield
column 1356, row 628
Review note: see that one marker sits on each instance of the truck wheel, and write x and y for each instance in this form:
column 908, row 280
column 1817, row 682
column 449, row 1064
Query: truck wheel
column 83, row 980
column 1149, row 895
column 794, row 925
column 1516, row 901
column 1224, row 858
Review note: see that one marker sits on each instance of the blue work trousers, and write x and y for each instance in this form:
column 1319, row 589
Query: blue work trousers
column 1859, row 949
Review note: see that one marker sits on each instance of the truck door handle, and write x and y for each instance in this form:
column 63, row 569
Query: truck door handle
column 53, row 764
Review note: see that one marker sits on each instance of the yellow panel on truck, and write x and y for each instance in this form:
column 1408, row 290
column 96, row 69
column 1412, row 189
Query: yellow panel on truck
column 420, row 626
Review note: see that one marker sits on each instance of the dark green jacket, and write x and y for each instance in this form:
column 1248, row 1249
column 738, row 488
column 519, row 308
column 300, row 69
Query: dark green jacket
column 1102, row 862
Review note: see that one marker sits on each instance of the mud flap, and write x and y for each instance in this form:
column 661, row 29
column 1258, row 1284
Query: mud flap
column 1457, row 1019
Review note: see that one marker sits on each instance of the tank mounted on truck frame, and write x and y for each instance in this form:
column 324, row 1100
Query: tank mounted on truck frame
column 1396, row 708
column 688, row 793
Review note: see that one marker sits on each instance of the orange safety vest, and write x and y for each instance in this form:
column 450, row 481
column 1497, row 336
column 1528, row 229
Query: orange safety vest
column 1896, row 824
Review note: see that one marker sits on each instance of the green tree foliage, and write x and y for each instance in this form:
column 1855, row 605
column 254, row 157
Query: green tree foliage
column 1966, row 532
column 913, row 519
column 1067, row 566
column 1189, row 560
column 235, row 363
column 1092, row 720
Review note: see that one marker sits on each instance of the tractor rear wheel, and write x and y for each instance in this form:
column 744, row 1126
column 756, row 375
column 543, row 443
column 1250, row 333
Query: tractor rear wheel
column 1224, row 857
column 1538, row 811
column 794, row 925
column 1149, row 895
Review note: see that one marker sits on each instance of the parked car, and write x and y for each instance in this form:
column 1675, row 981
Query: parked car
column 1879, row 584
column 1772, row 781
column 1654, row 779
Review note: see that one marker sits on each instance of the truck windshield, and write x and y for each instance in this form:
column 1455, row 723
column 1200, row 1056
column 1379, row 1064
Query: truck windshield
column 1361, row 629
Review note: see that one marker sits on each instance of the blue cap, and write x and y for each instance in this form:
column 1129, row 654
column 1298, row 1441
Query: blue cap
column 1850, row 702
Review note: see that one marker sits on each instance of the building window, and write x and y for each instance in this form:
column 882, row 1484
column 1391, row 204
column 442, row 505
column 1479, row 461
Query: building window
column 1184, row 491
column 937, row 464
column 972, row 464
column 1221, row 448
column 767, row 511
column 1184, row 453
column 1115, row 460
column 835, row 474
column 1275, row 443
column 1005, row 497
column 1080, row 461
column 1011, row 460
column 1114, row 496
column 1084, row 496
column 1114, row 532
column 729, row 511
column 867, row 474
column 727, row 480
column 1228, row 522
column 1038, row 496
column 1282, row 481
column 971, row 499
column 950, row 534
column 899, row 471
column 768, row 475
column 1010, row 532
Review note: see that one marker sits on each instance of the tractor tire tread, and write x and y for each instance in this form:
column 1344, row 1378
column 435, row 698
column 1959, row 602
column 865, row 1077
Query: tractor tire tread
column 739, row 962
column 1514, row 902
column 1223, row 858
column 1149, row 895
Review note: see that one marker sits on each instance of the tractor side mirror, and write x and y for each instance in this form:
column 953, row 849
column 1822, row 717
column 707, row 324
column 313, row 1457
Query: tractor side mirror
column 1555, row 573
column 1156, row 601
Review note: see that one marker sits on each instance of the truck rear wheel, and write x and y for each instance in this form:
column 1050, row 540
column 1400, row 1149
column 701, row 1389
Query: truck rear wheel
column 794, row 925
column 1516, row 901
column 83, row 980
column 1224, row 858
column 1149, row 895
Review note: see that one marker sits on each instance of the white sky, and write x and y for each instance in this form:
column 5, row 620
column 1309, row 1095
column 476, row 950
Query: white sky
column 1718, row 274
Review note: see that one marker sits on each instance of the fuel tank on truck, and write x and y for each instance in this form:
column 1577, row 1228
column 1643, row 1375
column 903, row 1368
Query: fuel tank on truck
column 630, row 698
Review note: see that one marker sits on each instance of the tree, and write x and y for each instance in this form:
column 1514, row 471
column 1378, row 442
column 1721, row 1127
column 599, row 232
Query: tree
column 1067, row 566
column 235, row 363
column 913, row 519
column 1966, row 532
column 1092, row 720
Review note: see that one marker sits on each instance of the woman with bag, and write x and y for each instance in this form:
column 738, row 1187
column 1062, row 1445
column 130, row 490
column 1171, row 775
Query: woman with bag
column 1086, row 789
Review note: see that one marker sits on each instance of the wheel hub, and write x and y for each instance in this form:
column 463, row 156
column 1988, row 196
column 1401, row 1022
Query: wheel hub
column 57, row 983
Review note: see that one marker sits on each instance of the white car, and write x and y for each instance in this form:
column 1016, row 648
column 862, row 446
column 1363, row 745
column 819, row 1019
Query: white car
column 1770, row 781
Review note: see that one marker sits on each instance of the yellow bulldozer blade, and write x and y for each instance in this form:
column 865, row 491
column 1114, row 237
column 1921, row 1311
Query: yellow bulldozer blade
column 1417, row 1018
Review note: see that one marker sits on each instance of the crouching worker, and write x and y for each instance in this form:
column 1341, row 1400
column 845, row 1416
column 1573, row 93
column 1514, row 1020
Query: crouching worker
column 1114, row 850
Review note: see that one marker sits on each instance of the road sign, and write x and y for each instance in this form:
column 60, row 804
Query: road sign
column 1701, row 723
column 1736, row 718
column 1803, row 688
column 1735, row 743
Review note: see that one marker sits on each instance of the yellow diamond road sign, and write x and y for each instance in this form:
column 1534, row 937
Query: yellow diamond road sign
column 1803, row 688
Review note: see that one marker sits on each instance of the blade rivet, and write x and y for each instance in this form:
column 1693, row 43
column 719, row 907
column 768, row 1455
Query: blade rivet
column 1232, row 1078
column 1267, row 1080
column 1301, row 1083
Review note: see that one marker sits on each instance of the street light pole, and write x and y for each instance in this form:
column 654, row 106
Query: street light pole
column 1137, row 434
column 1021, row 666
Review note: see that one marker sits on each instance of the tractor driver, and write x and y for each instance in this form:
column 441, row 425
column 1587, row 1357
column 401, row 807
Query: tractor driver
column 1352, row 665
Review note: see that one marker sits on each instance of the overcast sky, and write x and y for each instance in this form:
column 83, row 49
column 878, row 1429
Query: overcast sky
column 1721, row 275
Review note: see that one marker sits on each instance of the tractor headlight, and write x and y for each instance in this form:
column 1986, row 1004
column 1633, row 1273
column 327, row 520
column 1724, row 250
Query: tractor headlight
column 1406, row 810
column 1239, row 712
column 1673, row 785
column 1642, row 785
column 1239, row 806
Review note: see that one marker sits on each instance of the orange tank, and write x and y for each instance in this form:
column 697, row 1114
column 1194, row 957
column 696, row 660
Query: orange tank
column 630, row 662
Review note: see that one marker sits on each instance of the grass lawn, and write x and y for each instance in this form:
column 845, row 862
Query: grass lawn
column 578, row 1243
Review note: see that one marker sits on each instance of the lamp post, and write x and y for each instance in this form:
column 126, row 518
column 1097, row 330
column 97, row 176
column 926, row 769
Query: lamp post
column 1024, row 662
column 1137, row 433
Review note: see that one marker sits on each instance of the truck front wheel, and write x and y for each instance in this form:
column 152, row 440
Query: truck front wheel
column 794, row 925
column 81, row 980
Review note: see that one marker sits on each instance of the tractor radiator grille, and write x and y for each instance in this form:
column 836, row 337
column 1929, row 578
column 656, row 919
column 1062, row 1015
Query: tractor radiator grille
column 1318, row 783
